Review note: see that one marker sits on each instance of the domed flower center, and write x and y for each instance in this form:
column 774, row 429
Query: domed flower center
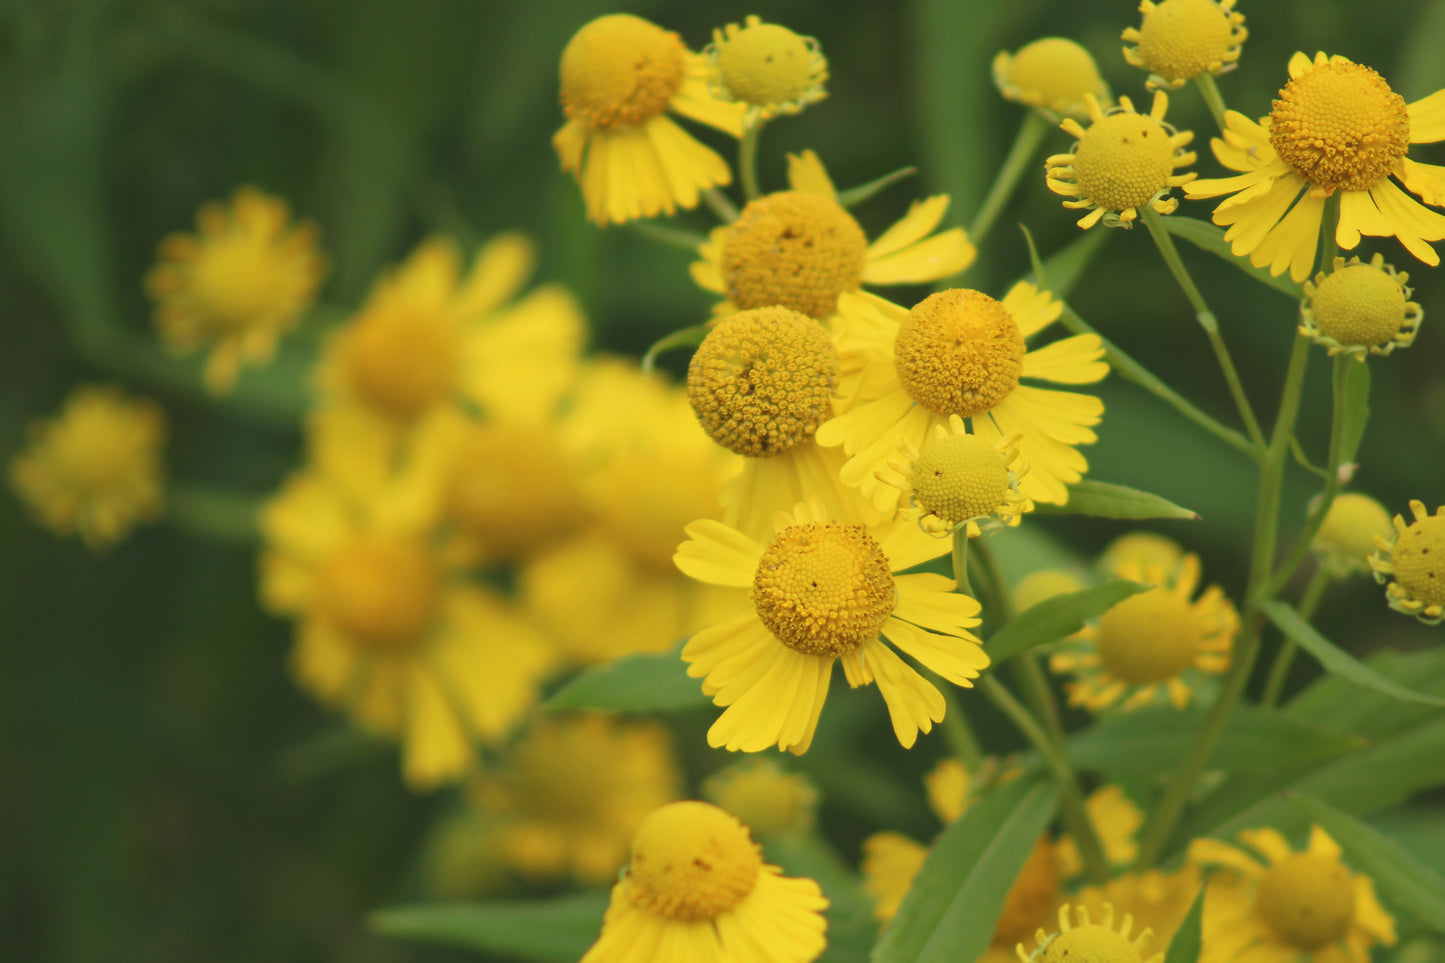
column 793, row 249
column 1057, row 72
column 1307, row 900
column 959, row 352
column 1088, row 944
column 236, row 280
column 1350, row 528
column 762, row 381
column 403, row 361
column 1123, row 160
column 1149, row 637
column 1340, row 126
column 620, row 71
column 765, row 64
column 1033, row 896
column 383, row 592
column 1359, row 305
column 1419, row 559
column 824, row 588
column 959, row 477
column 1182, row 38
column 692, row 862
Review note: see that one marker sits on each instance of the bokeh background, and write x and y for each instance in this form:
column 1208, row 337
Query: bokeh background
column 166, row 792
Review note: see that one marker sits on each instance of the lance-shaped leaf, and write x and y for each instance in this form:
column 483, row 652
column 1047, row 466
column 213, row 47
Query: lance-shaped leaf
column 1189, row 938
column 1209, row 238
column 853, row 196
column 1054, row 618
column 1107, row 500
column 647, row 682
column 544, row 931
column 1356, row 387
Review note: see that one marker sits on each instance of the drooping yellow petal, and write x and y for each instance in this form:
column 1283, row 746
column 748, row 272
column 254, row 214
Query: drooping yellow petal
column 501, row 268
column 1291, row 244
column 954, row 657
column 1427, row 119
column 806, row 173
column 913, row 702
column 1072, row 361
column 922, row 217
column 434, row 746
column 1426, row 180
column 1031, row 307
column 929, row 260
column 929, row 600
column 718, row 554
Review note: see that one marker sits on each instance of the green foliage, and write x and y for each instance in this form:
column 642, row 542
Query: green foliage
column 544, row 931
column 1107, row 500
column 1054, row 618
column 634, row 683
column 1207, row 237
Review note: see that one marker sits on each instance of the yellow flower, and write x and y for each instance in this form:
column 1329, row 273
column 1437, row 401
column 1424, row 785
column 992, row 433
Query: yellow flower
column 1155, row 899
column 390, row 630
column 1116, row 822
column 1181, row 39
column 94, row 469
column 1083, row 939
column 801, row 249
column 697, row 889
column 1145, row 549
column 1336, row 127
column 1357, row 308
column 620, row 76
column 767, row 67
column 1346, row 538
column 1122, row 161
column 1412, row 559
column 1146, row 643
column 237, row 285
column 1043, row 585
column 890, row 862
column 958, row 479
column 823, row 591
column 1053, row 74
column 961, row 353
column 764, row 796
column 571, row 792
column 1288, row 907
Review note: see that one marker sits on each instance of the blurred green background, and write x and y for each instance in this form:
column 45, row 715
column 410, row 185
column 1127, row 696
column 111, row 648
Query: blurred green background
column 166, row 792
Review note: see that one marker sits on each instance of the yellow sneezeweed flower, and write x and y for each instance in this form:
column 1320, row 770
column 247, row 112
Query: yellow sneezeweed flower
column 1143, row 646
column 1156, row 900
column 697, row 889
column 961, row 353
column 639, row 470
column 1053, row 74
column 620, row 76
column 94, row 470
column 765, row 796
column 959, row 479
column 1116, row 822
column 1144, row 549
column 1084, row 940
column 767, row 67
column 1275, row 905
column 390, row 630
column 1346, row 538
column 801, row 249
column 824, row 591
column 1412, row 558
column 1043, row 585
column 1180, row 39
column 1357, row 308
column 236, row 285
column 1122, row 161
column 569, row 794
column 1336, row 127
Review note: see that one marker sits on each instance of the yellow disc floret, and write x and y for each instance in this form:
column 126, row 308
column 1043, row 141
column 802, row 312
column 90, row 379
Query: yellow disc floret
column 1419, row 560
column 691, row 862
column 383, row 592
column 764, row 64
column 959, row 352
column 1180, row 39
column 1359, row 305
column 762, row 381
column 1053, row 73
column 794, row 249
column 960, row 477
column 1340, row 126
column 824, row 588
column 1149, row 637
column 1308, row 900
column 621, row 71
column 1123, row 160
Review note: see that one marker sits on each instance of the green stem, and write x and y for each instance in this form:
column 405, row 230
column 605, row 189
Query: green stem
column 748, row 160
column 1309, row 602
column 725, row 210
column 668, row 236
column 1209, row 90
column 958, row 732
column 215, row 514
column 1206, row 319
column 1021, row 158
column 960, row 560
column 1131, row 370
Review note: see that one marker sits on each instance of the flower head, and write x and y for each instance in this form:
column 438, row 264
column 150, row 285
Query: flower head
column 1346, row 538
column 1271, row 902
column 1146, row 549
column 1083, row 939
column 237, row 285
column 620, row 75
column 697, row 884
column 801, row 249
column 1155, row 899
column 94, row 470
column 1145, row 644
column 1336, row 127
column 767, row 67
column 1358, row 308
column 1053, row 74
column 765, row 796
column 1411, row 563
column 960, row 353
column 1122, row 161
column 1181, row 39
column 824, row 591
column 959, row 479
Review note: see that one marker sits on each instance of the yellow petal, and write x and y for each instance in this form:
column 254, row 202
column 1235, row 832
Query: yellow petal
column 913, row 703
column 1427, row 119
column 718, row 554
column 1072, row 361
column 806, row 173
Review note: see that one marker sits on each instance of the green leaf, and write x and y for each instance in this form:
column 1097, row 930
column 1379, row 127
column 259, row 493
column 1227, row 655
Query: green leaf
column 1107, row 500
column 1062, row 269
column 667, row 236
column 1054, row 618
column 954, row 903
column 1189, row 938
column 1356, row 390
column 1209, row 238
column 857, row 195
column 1407, row 882
column 1336, row 660
column 545, row 931
column 634, row 683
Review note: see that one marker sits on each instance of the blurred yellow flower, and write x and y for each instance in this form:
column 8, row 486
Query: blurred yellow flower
column 1346, row 538
column 767, row 67
column 1144, row 549
column 1083, row 939
column 764, row 796
column 1158, row 901
column 1053, row 74
column 1181, row 39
